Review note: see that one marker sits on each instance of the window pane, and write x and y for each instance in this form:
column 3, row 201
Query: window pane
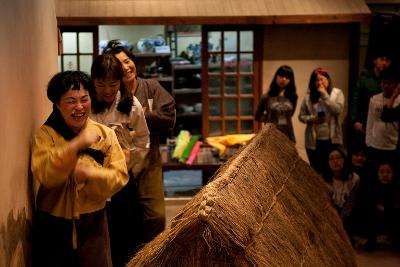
column 215, row 128
column 246, row 85
column 214, row 107
column 246, row 126
column 85, row 62
column 246, row 41
column 214, row 41
column 230, row 127
column 230, row 107
column 214, row 85
column 70, row 63
column 230, row 85
column 246, row 62
column 246, row 107
column 69, row 42
column 230, row 61
column 230, row 41
column 86, row 42
column 214, row 63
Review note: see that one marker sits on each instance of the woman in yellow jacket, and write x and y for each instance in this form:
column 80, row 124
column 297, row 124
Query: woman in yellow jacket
column 79, row 165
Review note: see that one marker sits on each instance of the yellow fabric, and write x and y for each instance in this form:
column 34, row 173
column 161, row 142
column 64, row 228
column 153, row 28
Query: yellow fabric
column 221, row 142
column 58, row 192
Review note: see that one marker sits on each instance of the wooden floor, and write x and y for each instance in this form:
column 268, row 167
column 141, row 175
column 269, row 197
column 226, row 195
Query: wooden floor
column 383, row 256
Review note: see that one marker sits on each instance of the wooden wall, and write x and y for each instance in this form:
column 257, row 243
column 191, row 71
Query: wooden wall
column 208, row 11
column 304, row 48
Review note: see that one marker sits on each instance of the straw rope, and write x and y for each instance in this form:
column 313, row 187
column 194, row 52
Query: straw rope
column 264, row 207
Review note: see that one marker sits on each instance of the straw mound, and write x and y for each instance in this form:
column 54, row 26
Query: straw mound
column 264, row 207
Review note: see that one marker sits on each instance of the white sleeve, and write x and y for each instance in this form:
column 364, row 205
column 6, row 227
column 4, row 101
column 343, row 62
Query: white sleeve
column 140, row 137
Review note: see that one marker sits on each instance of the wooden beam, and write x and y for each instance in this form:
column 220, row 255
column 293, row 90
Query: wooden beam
column 290, row 19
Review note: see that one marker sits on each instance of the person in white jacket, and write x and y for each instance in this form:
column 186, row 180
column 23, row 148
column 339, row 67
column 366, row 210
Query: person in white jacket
column 321, row 110
column 115, row 106
column 381, row 136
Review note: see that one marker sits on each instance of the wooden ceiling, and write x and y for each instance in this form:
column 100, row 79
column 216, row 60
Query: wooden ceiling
column 96, row 12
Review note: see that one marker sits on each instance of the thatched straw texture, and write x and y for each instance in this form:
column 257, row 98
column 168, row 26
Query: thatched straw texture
column 264, row 207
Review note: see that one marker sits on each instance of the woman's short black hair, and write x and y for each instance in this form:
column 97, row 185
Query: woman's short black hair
column 107, row 65
column 61, row 82
column 116, row 47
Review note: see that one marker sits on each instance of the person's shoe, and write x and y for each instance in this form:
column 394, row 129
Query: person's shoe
column 370, row 245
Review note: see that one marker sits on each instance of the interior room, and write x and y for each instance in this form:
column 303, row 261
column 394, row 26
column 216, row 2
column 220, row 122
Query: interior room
column 215, row 59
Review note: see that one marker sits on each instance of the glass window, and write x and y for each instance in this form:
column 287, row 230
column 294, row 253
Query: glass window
column 230, row 61
column 246, row 62
column 214, row 107
column 79, row 44
column 246, row 41
column 246, row 107
column 246, row 85
column 231, row 126
column 230, row 41
column 214, row 41
column 215, row 128
column 85, row 63
column 230, row 93
column 214, row 85
column 230, row 85
column 246, row 126
column 230, row 107
column 70, row 62
column 86, row 42
column 214, row 63
column 69, row 42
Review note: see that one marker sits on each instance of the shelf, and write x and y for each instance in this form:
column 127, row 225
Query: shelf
column 182, row 91
column 160, row 78
column 151, row 54
column 164, row 78
column 186, row 66
column 188, row 114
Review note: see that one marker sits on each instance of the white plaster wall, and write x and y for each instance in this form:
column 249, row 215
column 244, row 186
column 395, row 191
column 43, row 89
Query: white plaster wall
column 304, row 48
column 130, row 33
column 28, row 54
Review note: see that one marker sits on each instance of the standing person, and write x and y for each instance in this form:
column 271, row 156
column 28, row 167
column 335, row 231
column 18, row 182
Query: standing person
column 368, row 84
column 391, row 113
column 159, row 108
column 382, row 137
column 114, row 106
column 79, row 165
column 278, row 105
column 321, row 110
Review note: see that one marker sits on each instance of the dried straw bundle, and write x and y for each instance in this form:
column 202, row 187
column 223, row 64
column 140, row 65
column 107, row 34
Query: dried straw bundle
column 264, row 207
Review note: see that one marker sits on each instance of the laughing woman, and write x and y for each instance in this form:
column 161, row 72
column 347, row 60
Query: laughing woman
column 116, row 107
column 159, row 110
column 79, row 165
